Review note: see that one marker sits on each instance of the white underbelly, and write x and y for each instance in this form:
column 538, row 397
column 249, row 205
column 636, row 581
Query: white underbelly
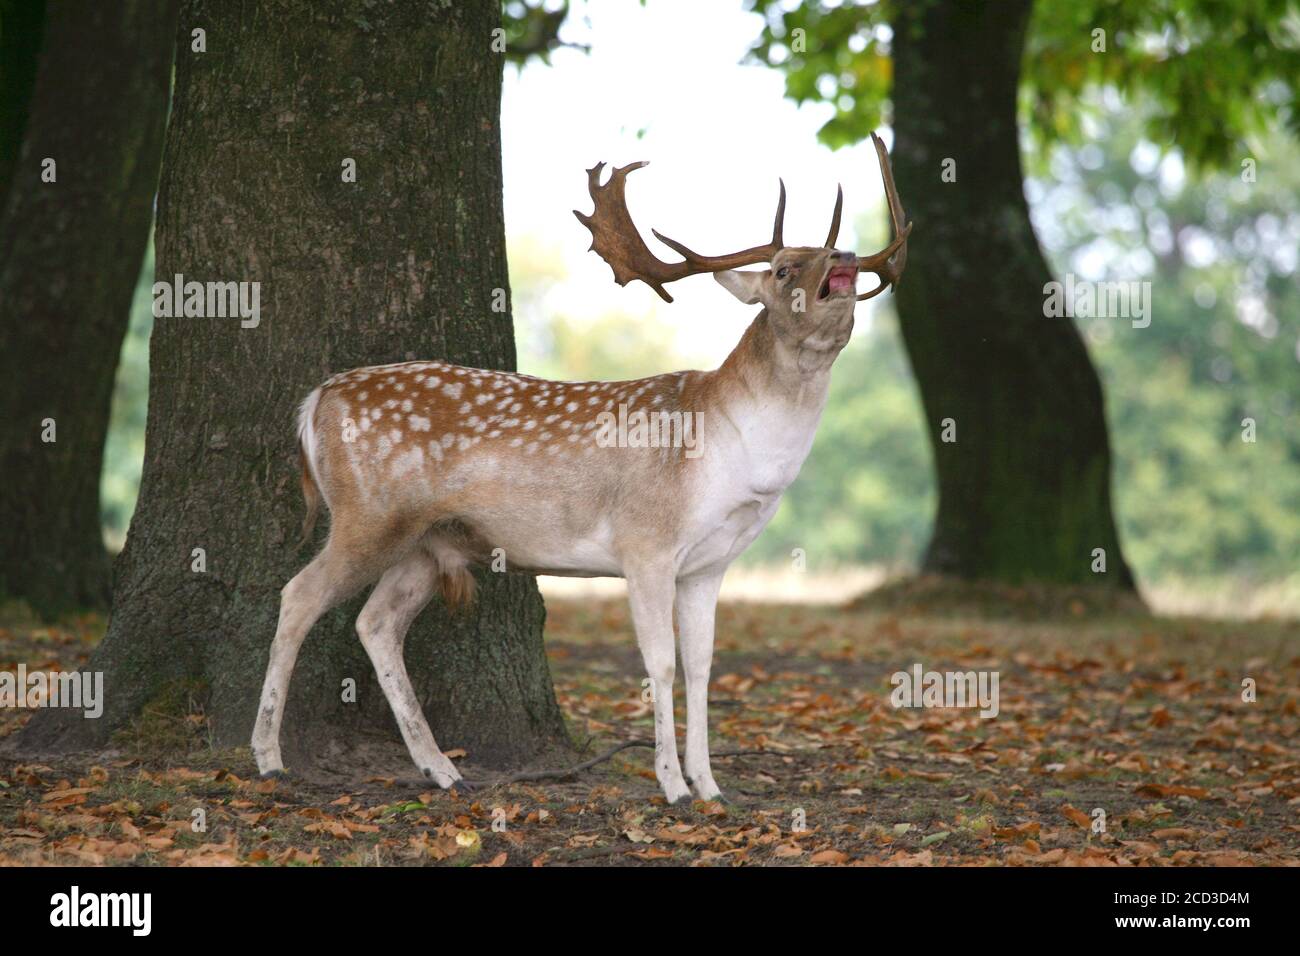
column 543, row 548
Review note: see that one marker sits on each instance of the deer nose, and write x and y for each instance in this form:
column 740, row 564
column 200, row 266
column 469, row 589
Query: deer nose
column 844, row 256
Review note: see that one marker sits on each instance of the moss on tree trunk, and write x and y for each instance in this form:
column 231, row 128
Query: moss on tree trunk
column 403, row 263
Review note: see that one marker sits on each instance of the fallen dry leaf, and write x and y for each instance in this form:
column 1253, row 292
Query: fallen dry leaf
column 833, row 857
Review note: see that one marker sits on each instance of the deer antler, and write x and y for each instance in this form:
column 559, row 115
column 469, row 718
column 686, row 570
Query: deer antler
column 889, row 262
column 835, row 219
column 616, row 240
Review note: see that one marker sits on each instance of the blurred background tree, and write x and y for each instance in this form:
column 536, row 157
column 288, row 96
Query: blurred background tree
column 1223, row 345
column 85, row 89
column 1029, row 475
column 1194, row 500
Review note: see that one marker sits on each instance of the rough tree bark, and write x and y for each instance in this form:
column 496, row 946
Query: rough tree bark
column 403, row 263
column 70, row 253
column 1024, row 491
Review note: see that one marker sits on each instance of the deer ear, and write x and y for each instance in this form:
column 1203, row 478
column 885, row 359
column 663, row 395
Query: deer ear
column 745, row 286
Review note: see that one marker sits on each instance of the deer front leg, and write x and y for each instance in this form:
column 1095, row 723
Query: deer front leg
column 697, row 602
column 650, row 592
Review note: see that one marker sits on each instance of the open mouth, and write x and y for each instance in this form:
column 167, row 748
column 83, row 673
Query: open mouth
column 840, row 280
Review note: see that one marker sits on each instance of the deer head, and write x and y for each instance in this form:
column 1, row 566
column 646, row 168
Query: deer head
column 809, row 291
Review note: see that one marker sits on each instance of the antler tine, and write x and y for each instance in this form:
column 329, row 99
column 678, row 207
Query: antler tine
column 615, row 239
column 778, row 225
column 835, row 218
column 746, row 257
column 888, row 264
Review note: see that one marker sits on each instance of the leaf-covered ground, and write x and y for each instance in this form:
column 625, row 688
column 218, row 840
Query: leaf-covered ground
column 1101, row 709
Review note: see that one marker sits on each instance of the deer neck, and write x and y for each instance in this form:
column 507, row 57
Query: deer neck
column 772, row 395
column 768, row 372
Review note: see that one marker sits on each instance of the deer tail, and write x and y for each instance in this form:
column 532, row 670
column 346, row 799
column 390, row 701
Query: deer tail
column 307, row 463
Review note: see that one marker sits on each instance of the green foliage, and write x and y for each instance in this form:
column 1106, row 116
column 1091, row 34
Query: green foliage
column 533, row 29
column 836, row 53
column 1214, row 73
column 1217, row 72
column 124, row 449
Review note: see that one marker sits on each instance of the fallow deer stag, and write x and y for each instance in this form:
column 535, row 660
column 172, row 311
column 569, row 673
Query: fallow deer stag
column 426, row 468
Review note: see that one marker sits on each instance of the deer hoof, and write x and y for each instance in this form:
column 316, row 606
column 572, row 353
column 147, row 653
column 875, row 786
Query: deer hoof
column 280, row 774
column 439, row 778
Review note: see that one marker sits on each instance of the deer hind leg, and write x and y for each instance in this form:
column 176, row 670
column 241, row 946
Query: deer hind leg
column 397, row 600
column 328, row 579
column 650, row 593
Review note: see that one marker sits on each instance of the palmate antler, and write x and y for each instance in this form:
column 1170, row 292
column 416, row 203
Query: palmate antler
column 616, row 240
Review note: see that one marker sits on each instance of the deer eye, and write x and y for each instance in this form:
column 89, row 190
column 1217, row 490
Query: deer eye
column 782, row 272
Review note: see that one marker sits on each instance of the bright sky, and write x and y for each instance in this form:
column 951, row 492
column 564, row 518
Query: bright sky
column 718, row 135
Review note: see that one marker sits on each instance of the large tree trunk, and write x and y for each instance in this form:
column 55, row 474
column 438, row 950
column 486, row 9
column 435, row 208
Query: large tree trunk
column 403, row 263
column 70, row 253
column 1024, row 491
column 22, row 25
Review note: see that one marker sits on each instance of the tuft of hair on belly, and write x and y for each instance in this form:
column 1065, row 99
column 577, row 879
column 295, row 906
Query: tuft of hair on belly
column 445, row 545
